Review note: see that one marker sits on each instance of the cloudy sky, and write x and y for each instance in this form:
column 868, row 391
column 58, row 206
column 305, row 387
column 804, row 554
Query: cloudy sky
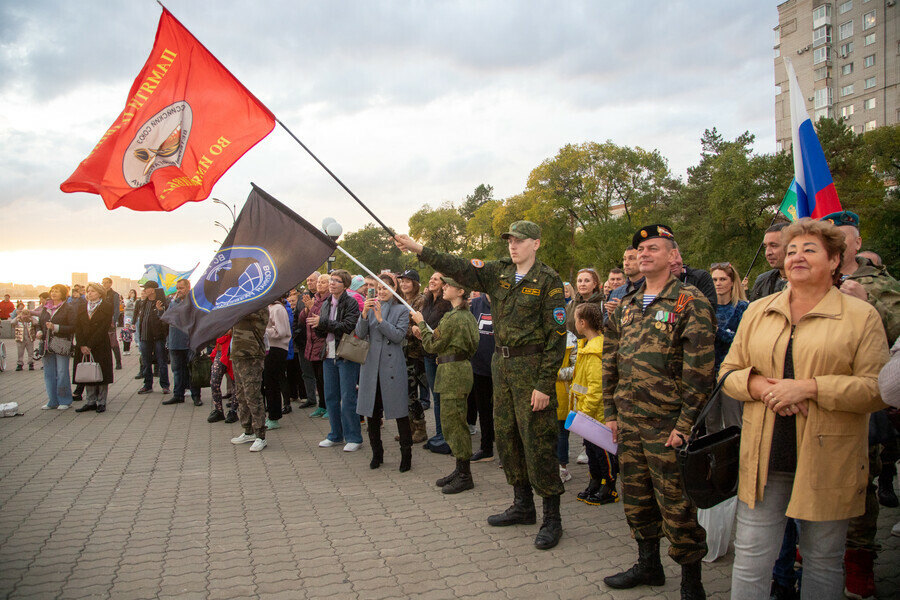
column 408, row 102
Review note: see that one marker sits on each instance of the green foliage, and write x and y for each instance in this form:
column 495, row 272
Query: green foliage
column 372, row 247
column 591, row 197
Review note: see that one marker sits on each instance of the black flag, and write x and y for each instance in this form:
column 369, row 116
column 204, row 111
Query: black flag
column 269, row 250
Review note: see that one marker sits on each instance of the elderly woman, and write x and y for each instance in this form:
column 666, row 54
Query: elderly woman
column 312, row 351
column 383, row 388
column 805, row 363
column 92, row 341
column 57, row 320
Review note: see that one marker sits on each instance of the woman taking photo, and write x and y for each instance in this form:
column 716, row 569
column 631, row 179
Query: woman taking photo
column 57, row 321
column 336, row 319
column 92, row 342
column 312, row 304
column 805, row 364
column 383, row 389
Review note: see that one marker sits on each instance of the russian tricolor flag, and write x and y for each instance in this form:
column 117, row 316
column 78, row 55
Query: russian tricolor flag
column 816, row 196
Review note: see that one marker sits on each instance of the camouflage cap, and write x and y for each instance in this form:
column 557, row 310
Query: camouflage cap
column 843, row 217
column 652, row 231
column 523, row 230
column 453, row 282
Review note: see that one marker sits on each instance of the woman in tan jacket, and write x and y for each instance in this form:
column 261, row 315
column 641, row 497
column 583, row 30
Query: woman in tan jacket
column 806, row 363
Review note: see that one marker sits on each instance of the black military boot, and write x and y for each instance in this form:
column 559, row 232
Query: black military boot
column 446, row 480
column 551, row 528
column 520, row 513
column 647, row 571
column 691, row 583
column 463, row 480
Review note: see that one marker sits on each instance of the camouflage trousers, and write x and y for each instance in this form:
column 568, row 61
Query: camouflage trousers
column 454, row 425
column 248, row 393
column 526, row 440
column 862, row 529
column 652, row 492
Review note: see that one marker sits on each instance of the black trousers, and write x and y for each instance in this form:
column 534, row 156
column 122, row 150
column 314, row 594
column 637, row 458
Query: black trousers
column 482, row 397
column 320, row 381
column 274, row 377
column 601, row 464
column 294, row 382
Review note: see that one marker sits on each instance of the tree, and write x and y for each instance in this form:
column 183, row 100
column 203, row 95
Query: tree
column 372, row 247
column 442, row 229
column 482, row 194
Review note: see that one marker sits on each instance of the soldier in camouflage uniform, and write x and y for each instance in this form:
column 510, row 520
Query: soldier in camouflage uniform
column 454, row 342
column 657, row 374
column 247, row 356
column 861, row 278
column 528, row 305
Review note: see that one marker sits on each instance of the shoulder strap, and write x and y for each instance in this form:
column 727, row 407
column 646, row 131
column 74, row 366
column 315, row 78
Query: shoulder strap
column 714, row 397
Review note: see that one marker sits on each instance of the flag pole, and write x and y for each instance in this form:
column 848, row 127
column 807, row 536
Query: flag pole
column 758, row 250
column 366, row 269
column 341, row 183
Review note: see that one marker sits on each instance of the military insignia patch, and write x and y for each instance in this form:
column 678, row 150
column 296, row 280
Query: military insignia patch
column 555, row 292
column 532, row 291
column 559, row 315
column 477, row 263
column 504, row 284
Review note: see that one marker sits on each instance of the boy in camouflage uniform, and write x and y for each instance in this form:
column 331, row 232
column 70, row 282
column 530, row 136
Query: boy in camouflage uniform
column 657, row 374
column 528, row 305
column 861, row 278
column 247, row 356
column 454, row 342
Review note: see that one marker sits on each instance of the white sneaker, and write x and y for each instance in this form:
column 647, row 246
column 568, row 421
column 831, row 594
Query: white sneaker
column 895, row 530
column 326, row 443
column 258, row 445
column 244, row 438
column 582, row 458
column 352, row 447
column 564, row 474
column 47, row 407
column 62, row 407
column 472, row 430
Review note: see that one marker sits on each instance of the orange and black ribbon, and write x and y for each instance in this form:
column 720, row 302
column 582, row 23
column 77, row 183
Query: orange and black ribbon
column 682, row 302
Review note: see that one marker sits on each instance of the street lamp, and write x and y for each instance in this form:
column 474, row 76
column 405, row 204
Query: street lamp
column 231, row 209
column 333, row 230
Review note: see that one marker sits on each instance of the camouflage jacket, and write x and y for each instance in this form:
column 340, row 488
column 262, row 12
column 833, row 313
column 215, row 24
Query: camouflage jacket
column 457, row 333
column 525, row 313
column 884, row 295
column 247, row 338
column 658, row 363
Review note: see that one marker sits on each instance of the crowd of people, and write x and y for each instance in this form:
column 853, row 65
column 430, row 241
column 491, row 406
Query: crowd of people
column 508, row 346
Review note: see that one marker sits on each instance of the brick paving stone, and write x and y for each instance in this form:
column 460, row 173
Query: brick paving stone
column 148, row 501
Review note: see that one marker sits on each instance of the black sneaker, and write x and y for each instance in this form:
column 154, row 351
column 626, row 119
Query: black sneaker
column 145, row 390
column 138, row 376
column 197, row 401
column 231, row 417
column 482, row 456
column 605, row 495
column 20, row 368
column 31, row 367
column 215, row 416
column 286, row 409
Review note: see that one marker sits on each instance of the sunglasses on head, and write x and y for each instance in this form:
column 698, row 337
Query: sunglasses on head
column 722, row 265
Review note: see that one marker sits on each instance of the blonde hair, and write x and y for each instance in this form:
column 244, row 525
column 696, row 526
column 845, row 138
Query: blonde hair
column 93, row 285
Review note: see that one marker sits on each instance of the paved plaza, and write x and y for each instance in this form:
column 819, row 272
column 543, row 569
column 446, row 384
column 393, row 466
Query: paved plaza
column 151, row 501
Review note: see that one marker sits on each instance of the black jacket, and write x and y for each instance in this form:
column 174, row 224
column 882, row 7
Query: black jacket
column 344, row 322
column 152, row 328
column 701, row 280
column 767, row 284
column 64, row 317
column 93, row 332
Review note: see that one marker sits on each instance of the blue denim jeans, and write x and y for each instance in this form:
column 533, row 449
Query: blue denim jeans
column 341, row 377
column 57, row 380
column 181, row 373
column 430, row 374
column 147, row 348
column 758, row 539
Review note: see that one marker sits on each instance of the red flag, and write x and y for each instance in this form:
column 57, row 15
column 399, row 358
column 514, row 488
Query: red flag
column 187, row 120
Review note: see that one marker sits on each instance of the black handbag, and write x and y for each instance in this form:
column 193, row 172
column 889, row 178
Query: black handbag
column 201, row 370
column 709, row 462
